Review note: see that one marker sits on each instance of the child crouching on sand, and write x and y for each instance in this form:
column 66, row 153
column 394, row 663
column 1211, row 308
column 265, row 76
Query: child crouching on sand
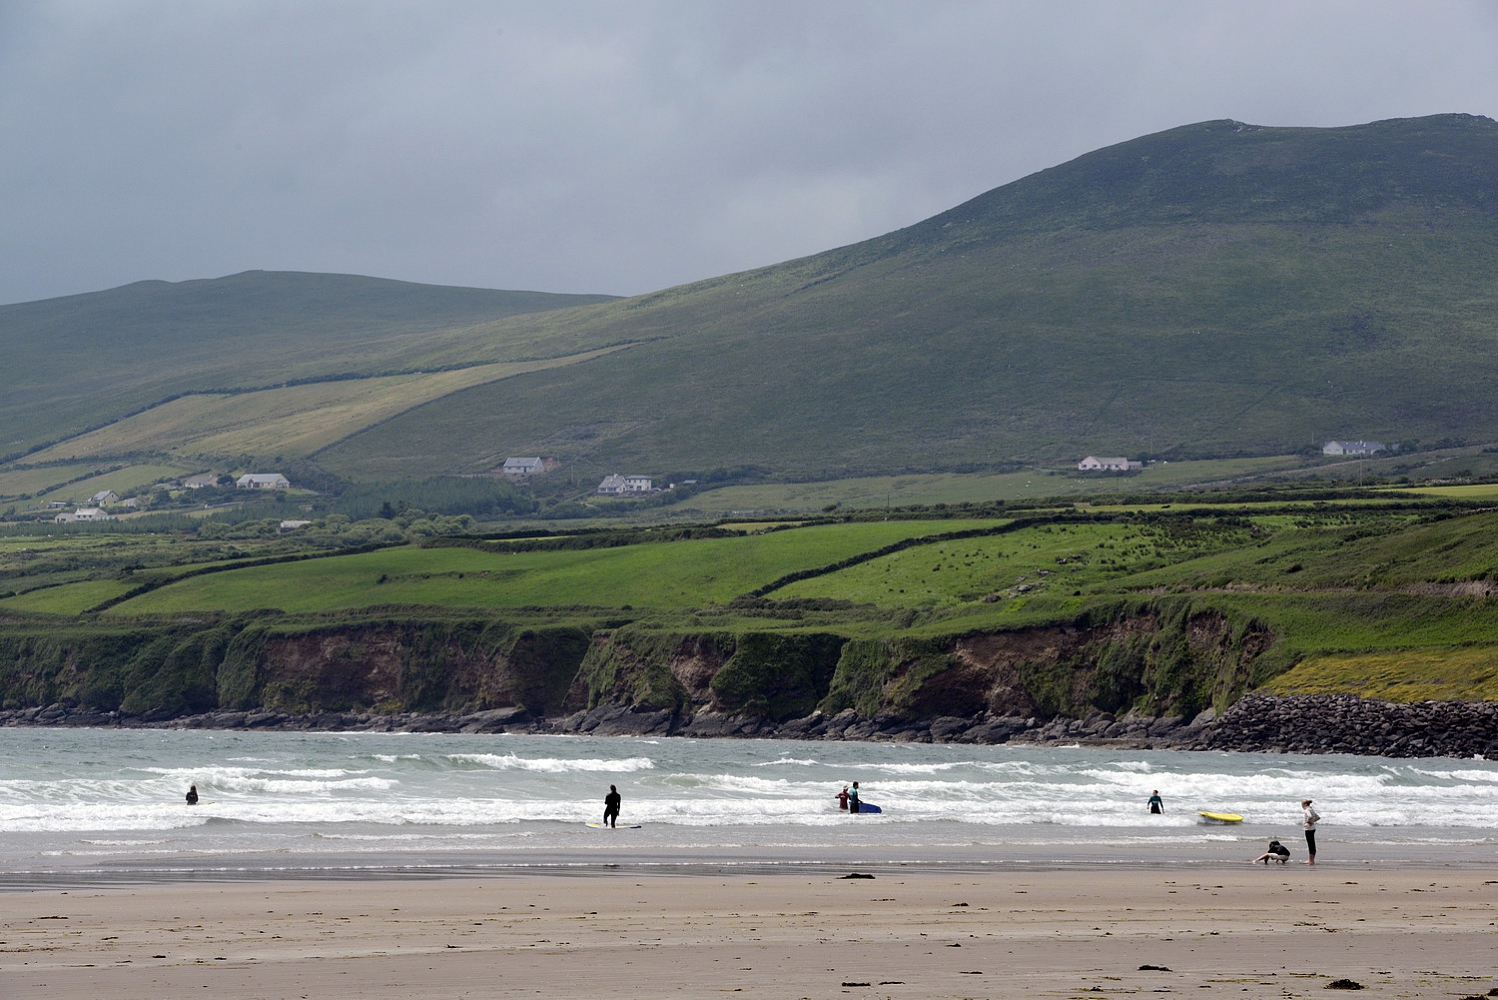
column 1277, row 852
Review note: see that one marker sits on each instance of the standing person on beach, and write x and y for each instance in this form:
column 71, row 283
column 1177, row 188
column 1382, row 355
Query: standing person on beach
column 842, row 799
column 853, row 798
column 1156, row 804
column 1312, row 817
column 611, row 803
column 192, row 795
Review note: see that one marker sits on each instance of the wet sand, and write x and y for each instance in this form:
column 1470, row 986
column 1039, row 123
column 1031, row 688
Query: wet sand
column 1229, row 931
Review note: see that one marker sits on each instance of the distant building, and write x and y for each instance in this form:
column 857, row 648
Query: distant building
column 636, row 484
column 103, row 498
column 1352, row 447
column 523, row 467
column 82, row 514
column 293, row 525
column 1093, row 463
column 201, row 480
column 262, row 481
column 611, row 486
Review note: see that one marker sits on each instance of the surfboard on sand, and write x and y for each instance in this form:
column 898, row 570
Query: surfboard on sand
column 1217, row 817
column 621, row 826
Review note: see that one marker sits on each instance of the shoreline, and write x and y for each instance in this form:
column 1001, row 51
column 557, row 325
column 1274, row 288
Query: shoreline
column 1252, row 931
column 1256, row 723
column 1344, row 858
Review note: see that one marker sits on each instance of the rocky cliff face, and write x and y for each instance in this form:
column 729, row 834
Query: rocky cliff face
column 1152, row 679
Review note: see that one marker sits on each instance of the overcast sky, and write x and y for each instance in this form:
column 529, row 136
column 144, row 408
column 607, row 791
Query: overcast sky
column 625, row 146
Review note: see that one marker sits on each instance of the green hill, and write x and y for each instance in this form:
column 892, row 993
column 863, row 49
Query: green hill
column 84, row 360
column 1216, row 290
column 1213, row 290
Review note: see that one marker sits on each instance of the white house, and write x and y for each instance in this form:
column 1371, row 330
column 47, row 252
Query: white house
column 201, row 480
column 82, row 514
column 523, row 467
column 612, row 485
column 636, row 484
column 1093, row 463
column 262, row 481
column 103, row 498
column 1352, row 447
column 293, row 525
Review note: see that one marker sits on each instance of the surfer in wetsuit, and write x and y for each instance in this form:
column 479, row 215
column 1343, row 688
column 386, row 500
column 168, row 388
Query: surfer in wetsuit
column 853, row 798
column 192, row 795
column 1156, row 804
column 611, row 803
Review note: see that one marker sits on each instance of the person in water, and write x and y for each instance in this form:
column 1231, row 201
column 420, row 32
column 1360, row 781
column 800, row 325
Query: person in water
column 842, row 799
column 192, row 795
column 853, row 798
column 1156, row 804
column 1312, row 817
column 611, row 803
column 1277, row 852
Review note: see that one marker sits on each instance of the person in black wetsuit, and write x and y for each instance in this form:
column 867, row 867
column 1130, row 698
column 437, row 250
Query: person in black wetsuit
column 192, row 795
column 1277, row 852
column 1156, row 804
column 611, row 803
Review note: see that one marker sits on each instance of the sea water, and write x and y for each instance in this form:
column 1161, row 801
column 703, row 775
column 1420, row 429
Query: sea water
column 76, row 800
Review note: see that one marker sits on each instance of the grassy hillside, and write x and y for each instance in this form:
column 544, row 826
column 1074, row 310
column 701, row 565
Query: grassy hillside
column 82, row 360
column 1219, row 290
column 1213, row 290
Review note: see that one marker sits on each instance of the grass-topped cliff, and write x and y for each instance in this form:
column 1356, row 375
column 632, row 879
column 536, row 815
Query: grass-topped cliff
column 1032, row 611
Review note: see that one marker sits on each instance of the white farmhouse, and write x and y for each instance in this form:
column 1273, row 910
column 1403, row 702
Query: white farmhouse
column 263, row 481
column 1093, row 463
column 103, row 498
column 637, row 484
column 1352, row 447
column 82, row 514
column 612, row 485
column 523, row 467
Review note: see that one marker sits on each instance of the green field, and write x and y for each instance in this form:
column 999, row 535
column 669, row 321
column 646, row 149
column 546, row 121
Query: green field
column 1368, row 593
column 291, row 421
column 955, row 488
column 662, row 575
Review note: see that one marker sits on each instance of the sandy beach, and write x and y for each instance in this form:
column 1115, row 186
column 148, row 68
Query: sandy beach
column 1245, row 931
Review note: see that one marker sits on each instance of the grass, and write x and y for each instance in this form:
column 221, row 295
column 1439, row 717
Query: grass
column 1460, row 674
column 1466, row 491
column 121, row 481
column 1370, row 600
column 955, row 488
column 292, row 421
column 85, row 360
column 1052, row 560
column 67, row 599
column 660, row 575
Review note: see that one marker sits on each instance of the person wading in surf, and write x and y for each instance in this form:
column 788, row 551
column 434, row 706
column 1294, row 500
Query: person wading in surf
column 611, row 803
